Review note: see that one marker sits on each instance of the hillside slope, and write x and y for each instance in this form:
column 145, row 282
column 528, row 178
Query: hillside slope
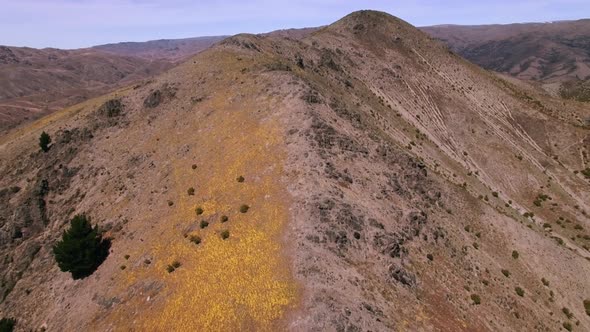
column 549, row 52
column 391, row 185
column 169, row 49
column 37, row 82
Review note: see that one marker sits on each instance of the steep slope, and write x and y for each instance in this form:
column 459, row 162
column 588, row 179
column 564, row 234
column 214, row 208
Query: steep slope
column 386, row 180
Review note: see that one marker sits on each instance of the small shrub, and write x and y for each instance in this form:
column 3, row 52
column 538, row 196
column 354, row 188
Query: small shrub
column 519, row 291
column 244, row 208
column 476, row 299
column 430, row 257
column 224, row 218
column 176, row 264
column 44, row 141
column 147, row 262
column 191, row 191
column 122, row 267
column 195, row 239
column 126, row 256
column 225, row 234
column 567, row 326
column 199, row 210
column 545, row 282
column 204, row 224
column 506, row 273
column 81, row 249
column 587, row 306
column 475, row 245
column 515, row 254
column 7, row 324
column 170, row 268
column 567, row 313
column 240, row 179
column 495, row 194
column 170, row 203
column 194, row 166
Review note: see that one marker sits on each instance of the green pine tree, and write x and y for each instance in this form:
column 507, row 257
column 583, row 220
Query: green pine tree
column 81, row 249
column 7, row 324
column 44, row 141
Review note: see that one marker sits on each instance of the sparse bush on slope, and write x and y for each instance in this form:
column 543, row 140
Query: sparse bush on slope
column 44, row 141
column 81, row 249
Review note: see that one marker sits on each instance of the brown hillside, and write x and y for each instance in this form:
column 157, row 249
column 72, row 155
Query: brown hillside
column 391, row 185
column 548, row 52
column 37, row 82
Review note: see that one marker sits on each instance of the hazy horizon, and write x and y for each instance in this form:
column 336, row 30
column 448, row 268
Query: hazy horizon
column 82, row 23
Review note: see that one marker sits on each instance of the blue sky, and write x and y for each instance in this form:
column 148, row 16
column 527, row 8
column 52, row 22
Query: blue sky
column 82, row 23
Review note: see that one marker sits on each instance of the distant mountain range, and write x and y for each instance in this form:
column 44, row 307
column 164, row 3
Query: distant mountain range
column 549, row 53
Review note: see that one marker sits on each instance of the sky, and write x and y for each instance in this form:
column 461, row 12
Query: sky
column 83, row 23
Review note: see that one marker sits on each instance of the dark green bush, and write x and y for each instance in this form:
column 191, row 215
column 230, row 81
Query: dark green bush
column 519, row 291
column 567, row 326
column 587, row 306
column 199, row 210
column 506, row 273
column 195, row 239
column 475, row 298
column 244, row 208
column 515, row 254
column 44, row 141
column 7, row 324
column 225, row 234
column 240, row 179
column 430, row 257
column 191, row 191
column 224, row 218
column 81, row 249
column 204, row 224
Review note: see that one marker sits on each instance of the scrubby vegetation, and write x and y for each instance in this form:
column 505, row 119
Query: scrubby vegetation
column 199, row 210
column 244, row 208
column 476, row 299
column 225, row 234
column 82, row 248
column 587, row 306
column 240, row 179
column 204, row 224
column 191, row 191
column 519, row 291
column 44, row 141
column 195, row 239
column 224, row 218
column 173, row 266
